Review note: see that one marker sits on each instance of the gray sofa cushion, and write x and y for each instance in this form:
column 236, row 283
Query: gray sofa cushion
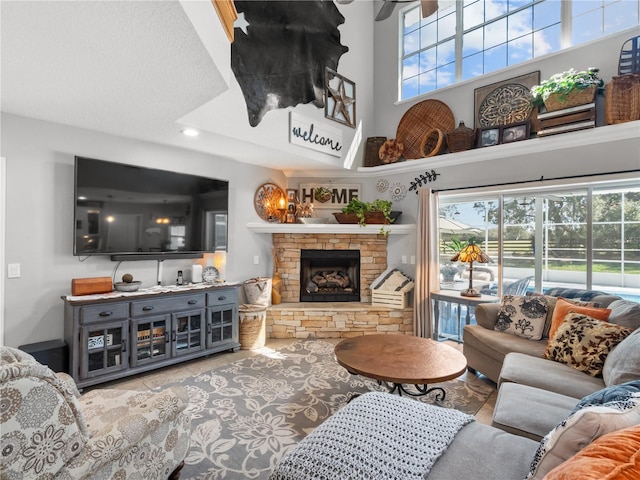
column 529, row 411
column 482, row 452
column 625, row 313
column 548, row 375
column 498, row 344
column 623, row 362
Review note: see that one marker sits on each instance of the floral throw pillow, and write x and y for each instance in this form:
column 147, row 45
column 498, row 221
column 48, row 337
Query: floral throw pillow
column 523, row 316
column 583, row 342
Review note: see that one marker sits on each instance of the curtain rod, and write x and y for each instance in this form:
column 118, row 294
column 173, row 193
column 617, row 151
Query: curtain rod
column 541, row 179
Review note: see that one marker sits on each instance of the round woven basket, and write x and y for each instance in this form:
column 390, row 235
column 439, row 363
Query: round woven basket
column 420, row 120
column 433, row 143
column 253, row 330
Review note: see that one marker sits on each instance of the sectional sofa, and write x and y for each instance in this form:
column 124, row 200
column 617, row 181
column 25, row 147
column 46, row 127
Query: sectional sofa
column 552, row 421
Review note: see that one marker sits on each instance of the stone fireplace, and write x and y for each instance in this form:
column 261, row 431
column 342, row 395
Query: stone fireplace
column 294, row 318
column 329, row 275
column 288, row 261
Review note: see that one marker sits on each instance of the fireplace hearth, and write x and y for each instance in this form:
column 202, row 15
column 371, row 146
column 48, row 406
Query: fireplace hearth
column 329, row 275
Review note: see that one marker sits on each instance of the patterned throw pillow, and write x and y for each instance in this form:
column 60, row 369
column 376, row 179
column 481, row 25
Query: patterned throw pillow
column 551, row 306
column 581, row 428
column 523, row 316
column 564, row 307
column 583, row 342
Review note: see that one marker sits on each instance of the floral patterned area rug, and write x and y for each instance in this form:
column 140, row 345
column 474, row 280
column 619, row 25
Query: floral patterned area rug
column 246, row 415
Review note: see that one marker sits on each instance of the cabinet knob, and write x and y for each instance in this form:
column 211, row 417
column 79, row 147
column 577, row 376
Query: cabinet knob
column 106, row 313
column 192, row 302
column 148, row 308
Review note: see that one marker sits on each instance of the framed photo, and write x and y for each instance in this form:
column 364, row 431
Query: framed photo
column 515, row 132
column 488, row 136
column 506, row 102
column 291, row 195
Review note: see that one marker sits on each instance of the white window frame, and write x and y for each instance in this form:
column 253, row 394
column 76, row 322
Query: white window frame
column 566, row 34
column 595, row 185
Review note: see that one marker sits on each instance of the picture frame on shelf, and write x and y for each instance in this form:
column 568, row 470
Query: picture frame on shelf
column 292, row 194
column 488, row 136
column 515, row 132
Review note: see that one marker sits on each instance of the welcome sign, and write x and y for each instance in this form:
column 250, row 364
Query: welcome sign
column 309, row 133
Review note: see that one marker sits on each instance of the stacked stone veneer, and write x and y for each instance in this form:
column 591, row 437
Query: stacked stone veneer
column 292, row 319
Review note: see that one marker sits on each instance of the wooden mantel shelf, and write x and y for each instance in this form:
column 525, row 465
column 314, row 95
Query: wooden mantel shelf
column 328, row 228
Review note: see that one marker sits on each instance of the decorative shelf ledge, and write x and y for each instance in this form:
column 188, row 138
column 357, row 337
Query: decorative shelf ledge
column 329, row 228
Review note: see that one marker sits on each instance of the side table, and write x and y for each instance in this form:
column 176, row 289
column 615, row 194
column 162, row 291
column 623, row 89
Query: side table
column 453, row 296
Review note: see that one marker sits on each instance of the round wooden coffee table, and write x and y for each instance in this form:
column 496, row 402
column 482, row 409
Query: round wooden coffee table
column 401, row 360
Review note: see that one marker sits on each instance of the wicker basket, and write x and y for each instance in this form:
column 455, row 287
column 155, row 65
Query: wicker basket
column 433, row 143
column 253, row 330
column 418, row 121
column 461, row 139
column 559, row 101
column 622, row 99
column 371, row 155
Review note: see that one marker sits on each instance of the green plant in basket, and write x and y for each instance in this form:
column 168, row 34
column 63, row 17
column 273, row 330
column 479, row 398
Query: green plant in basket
column 361, row 209
column 563, row 84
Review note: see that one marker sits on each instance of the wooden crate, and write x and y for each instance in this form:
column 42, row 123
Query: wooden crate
column 390, row 299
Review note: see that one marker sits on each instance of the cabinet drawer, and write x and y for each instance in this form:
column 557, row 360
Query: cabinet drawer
column 167, row 305
column 222, row 297
column 104, row 312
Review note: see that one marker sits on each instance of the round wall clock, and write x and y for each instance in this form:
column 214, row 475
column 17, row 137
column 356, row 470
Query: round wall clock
column 210, row 274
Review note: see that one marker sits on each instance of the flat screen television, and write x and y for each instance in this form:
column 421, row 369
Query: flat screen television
column 132, row 212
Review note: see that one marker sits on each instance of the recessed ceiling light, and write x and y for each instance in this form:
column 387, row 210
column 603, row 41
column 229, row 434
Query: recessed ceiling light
column 190, row 132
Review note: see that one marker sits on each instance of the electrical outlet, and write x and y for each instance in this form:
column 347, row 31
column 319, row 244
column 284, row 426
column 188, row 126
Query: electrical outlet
column 256, row 259
column 13, row 270
column 404, row 259
column 413, row 259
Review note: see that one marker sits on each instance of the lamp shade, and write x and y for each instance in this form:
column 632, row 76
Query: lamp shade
column 471, row 253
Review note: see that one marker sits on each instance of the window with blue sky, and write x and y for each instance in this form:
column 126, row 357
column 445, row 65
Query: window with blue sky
column 468, row 38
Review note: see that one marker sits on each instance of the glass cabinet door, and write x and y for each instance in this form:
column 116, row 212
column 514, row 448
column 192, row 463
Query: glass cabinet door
column 150, row 339
column 220, row 327
column 105, row 347
column 188, row 332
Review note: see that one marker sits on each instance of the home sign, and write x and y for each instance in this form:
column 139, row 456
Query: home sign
column 329, row 195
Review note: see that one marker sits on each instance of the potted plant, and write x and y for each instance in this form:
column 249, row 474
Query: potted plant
column 363, row 213
column 566, row 89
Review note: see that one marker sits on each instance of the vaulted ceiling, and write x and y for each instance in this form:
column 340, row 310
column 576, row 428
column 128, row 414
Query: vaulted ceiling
column 135, row 69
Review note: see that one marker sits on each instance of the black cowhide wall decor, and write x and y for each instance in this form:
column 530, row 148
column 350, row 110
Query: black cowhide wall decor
column 281, row 59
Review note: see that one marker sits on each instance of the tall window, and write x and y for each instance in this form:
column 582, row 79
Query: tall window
column 585, row 237
column 468, row 38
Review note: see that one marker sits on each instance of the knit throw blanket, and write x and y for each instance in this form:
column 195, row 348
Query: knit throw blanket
column 376, row 436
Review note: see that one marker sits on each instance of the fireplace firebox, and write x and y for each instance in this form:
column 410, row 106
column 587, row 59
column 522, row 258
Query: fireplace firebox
column 330, row 275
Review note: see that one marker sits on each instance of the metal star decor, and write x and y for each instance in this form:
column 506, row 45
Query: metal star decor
column 340, row 101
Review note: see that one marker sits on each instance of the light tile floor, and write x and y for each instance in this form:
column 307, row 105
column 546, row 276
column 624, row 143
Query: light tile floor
column 158, row 378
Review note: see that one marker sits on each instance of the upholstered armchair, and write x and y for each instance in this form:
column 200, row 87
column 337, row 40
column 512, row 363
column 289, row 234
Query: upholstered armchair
column 50, row 431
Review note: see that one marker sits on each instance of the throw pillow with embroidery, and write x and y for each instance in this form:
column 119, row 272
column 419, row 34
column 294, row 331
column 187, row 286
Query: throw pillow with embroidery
column 523, row 316
column 583, row 342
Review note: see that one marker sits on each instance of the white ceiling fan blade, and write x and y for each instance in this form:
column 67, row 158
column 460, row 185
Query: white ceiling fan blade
column 386, row 10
